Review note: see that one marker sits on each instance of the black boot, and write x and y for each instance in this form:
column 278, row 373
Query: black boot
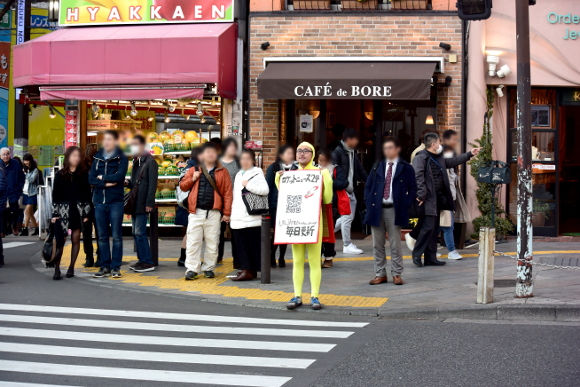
column 273, row 261
column 36, row 232
column 89, row 261
column 181, row 260
column 24, row 231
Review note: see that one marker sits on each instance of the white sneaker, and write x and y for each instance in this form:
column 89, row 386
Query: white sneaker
column 351, row 249
column 438, row 255
column 454, row 255
column 410, row 241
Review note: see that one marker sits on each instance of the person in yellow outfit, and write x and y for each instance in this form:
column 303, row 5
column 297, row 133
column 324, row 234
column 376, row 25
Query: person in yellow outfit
column 305, row 157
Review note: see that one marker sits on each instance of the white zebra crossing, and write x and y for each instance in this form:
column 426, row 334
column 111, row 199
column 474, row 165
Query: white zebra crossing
column 242, row 360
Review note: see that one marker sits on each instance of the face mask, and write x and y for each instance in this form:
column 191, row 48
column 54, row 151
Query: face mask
column 448, row 155
column 135, row 150
column 440, row 149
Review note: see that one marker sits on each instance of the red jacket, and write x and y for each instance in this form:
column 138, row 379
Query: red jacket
column 223, row 182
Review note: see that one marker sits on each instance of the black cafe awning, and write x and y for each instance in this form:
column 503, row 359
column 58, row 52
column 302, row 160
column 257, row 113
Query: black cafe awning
column 346, row 80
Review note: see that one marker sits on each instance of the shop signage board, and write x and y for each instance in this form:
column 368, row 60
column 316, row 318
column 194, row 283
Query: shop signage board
column 571, row 95
column 94, row 12
column 71, row 123
column 299, row 203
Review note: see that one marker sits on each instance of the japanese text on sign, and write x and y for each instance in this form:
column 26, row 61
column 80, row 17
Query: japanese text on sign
column 299, row 202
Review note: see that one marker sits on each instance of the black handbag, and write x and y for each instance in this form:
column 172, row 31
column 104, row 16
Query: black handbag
column 55, row 234
column 416, row 211
column 255, row 204
column 495, row 172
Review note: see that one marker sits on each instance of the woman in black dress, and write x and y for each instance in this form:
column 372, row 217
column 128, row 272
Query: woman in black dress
column 71, row 206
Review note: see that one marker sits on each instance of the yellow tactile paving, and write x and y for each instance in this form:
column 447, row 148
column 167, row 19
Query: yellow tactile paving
column 214, row 286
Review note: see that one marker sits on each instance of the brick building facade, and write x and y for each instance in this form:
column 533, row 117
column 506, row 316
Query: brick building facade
column 342, row 34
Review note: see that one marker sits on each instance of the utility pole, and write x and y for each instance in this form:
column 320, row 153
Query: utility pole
column 524, row 284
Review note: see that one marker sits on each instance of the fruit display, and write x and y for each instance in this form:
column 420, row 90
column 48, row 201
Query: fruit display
column 164, row 136
column 153, row 137
column 191, row 136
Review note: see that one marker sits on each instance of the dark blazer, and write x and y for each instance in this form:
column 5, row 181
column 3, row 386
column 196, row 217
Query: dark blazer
column 113, row 170
column 15, row 179
column 3, row 190
column 147, row 185
column 341, row 159
column 425, row 183
column 404, row 192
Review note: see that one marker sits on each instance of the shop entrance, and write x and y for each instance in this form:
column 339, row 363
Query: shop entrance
column 570, row 170
column 373, row 119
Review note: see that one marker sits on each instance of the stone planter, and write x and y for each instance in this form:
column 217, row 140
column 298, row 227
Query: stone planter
column 354, row 4
column 408, row 4
column 539, row 219
column 304, row 5
column 405, row 232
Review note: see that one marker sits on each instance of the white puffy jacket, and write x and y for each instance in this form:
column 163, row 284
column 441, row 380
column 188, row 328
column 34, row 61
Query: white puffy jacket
column 258, row 185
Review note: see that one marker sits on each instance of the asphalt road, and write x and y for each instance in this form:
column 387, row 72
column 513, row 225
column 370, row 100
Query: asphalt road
column 73, row 333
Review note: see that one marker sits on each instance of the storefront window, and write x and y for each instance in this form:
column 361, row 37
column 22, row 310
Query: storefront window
column 544, row 167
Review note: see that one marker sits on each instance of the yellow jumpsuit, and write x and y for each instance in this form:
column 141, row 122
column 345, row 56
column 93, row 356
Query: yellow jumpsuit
column 314, row 250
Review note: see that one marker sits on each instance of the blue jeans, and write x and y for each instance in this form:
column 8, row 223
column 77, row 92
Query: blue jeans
column 448, row 236
column 110, row 214
column 141, row 241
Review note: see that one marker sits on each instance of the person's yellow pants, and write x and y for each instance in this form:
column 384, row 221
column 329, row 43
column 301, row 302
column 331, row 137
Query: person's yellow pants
column 299, row 256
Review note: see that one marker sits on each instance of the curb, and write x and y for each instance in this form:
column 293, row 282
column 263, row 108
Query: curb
column 505, row 312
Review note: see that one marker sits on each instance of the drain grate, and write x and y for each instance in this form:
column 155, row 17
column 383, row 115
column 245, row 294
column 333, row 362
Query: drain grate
column 504, row 283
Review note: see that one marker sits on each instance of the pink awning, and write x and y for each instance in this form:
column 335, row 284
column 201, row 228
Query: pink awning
column 144, row 55
column 126, row 92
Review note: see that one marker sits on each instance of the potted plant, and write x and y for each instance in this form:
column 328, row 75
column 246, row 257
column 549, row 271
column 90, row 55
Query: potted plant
column 412, row 224
column 305, row 5
column 359, row 4
column 540, row 213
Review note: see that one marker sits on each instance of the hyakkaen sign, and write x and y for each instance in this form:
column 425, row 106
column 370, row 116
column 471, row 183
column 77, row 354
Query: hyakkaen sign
column 91, row 12
column 354, row 91
column 567, row 19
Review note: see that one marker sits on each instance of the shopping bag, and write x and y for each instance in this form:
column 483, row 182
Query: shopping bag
column 446, row 218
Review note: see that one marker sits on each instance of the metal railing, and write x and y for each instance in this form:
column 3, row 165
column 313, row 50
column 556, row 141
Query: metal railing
column 356, row 5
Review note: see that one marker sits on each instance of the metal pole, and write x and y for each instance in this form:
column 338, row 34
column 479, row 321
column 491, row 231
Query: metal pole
column 154, row 235
column 265, row 270
column 524, row 285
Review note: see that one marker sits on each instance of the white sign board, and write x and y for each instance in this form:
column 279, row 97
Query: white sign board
column 306, row 123
column 299, row 202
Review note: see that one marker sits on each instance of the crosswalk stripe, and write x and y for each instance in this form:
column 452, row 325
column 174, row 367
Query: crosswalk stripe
column 164, row 340
column 167, row 357
column 144, row 374
column 179, row 316
column 111, row 324
column 10, row 245
column 18, row 384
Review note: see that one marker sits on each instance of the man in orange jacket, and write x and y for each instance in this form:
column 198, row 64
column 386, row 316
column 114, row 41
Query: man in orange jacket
column 209, row 203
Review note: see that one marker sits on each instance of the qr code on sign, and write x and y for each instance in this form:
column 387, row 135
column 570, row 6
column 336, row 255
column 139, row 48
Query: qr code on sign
column 294, row 204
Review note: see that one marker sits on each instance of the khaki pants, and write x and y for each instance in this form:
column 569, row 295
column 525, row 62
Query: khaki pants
column 387, row 225
column 203, row 225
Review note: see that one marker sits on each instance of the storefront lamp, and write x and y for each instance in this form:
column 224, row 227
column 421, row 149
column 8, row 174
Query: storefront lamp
column 445, row 46
column 150, row 118
column 167, row 119
column 504, row 71
column 52, row 113
column 429, row 120
column 185, row 116
column 314, row 114
column 202, row 120
column 492, row 61
column 369, row 116
column 134, row 111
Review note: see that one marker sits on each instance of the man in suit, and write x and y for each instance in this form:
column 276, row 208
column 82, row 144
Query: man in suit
column 434, row 194
column 389, row 192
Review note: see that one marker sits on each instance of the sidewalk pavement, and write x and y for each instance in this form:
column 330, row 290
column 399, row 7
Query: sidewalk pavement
column 429, row 292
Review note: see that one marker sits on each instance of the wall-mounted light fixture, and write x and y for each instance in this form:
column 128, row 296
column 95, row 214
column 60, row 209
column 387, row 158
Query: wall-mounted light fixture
column 134, row 111
column 445, row 46
column 499, row 91
column 504, row 71
column 369, row 116
column 493, row 61
column 150, row 118
column 448, row 80
column 314, row 114
column 167, row 119
column 264, row 46
column 429, row 120
column 52, row 113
